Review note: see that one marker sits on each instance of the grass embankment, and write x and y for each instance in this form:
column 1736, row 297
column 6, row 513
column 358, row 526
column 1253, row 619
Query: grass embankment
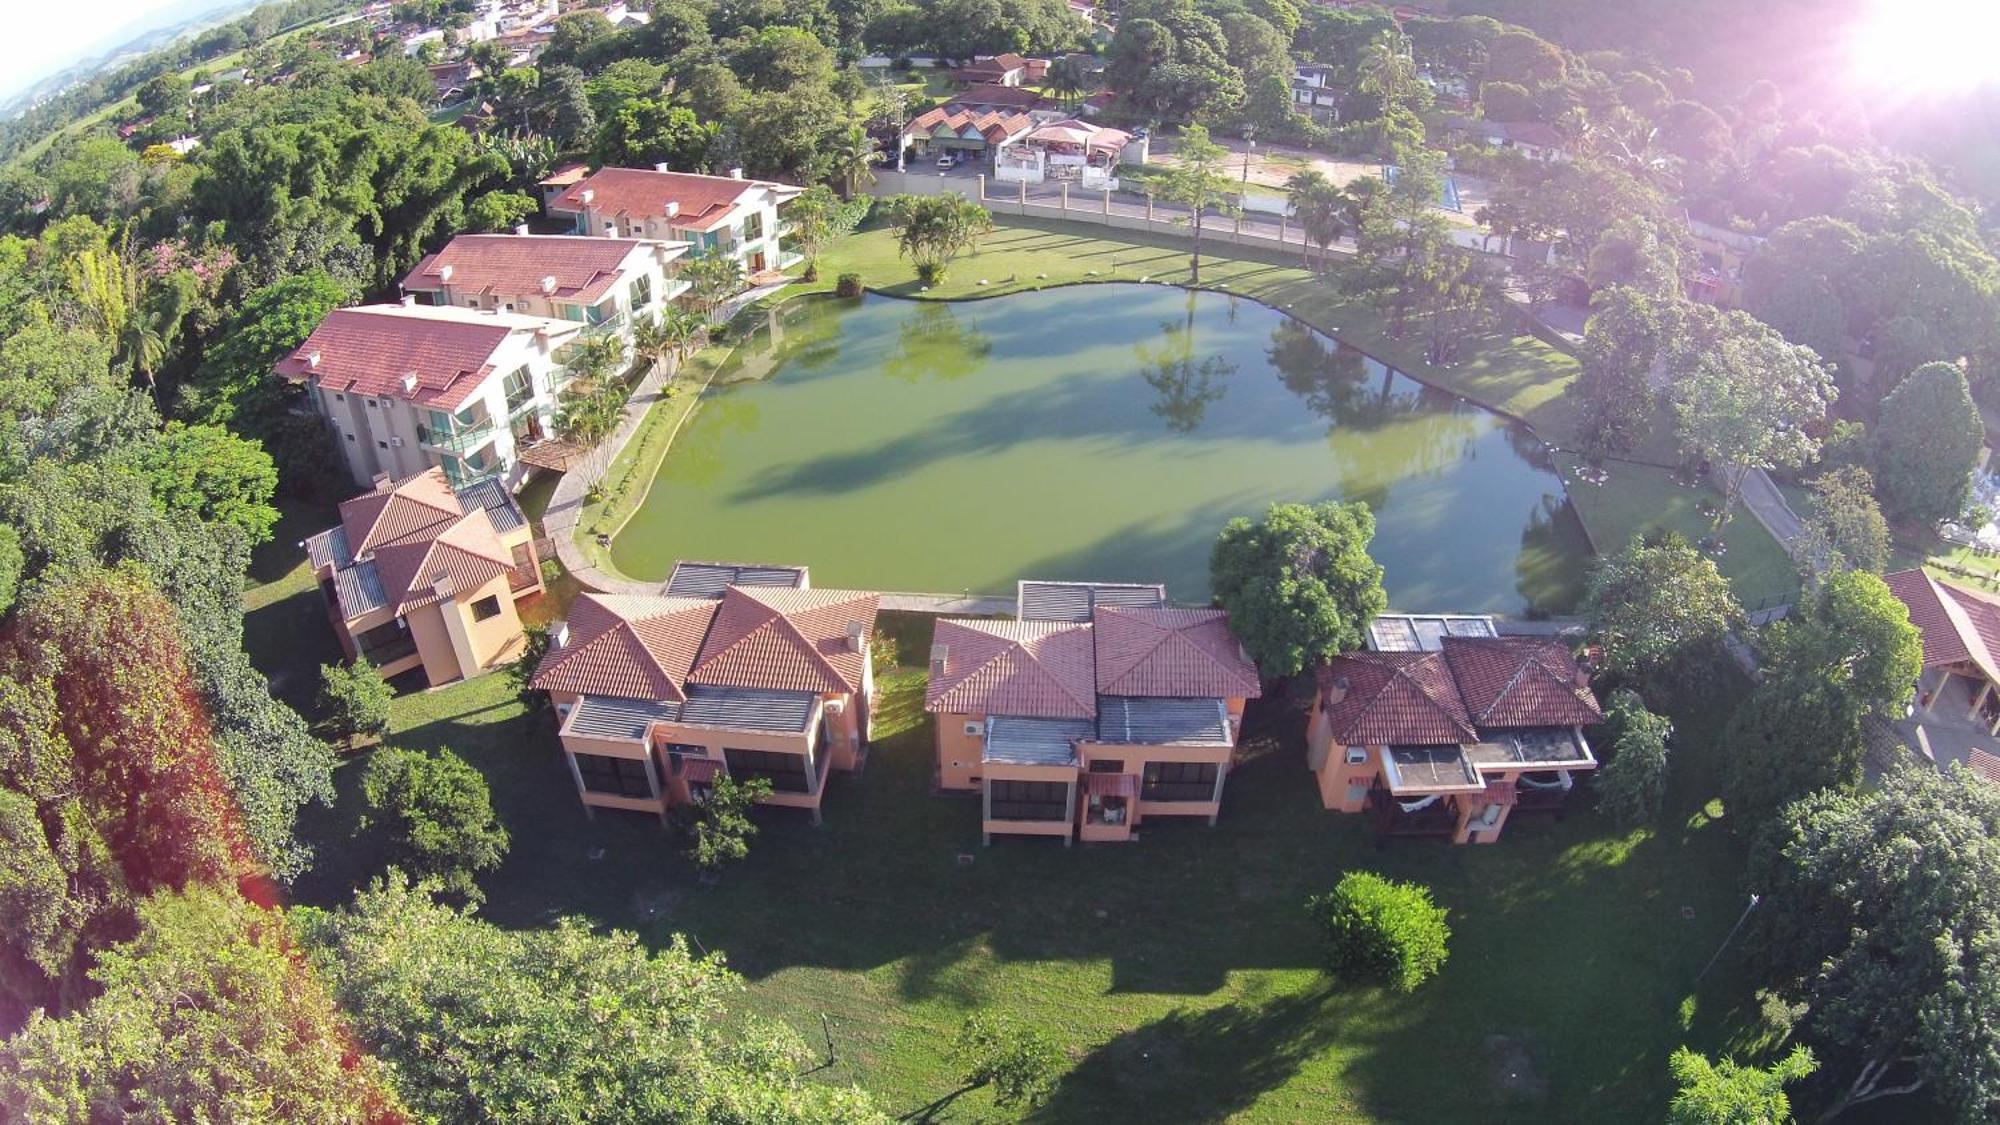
column 1180, row 970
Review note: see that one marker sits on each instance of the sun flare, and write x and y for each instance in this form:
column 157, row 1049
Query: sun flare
column 1921, row 50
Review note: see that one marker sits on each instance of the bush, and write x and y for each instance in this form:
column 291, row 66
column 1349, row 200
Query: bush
column 930, row 273
column 1382, row 930
column 719, row 829
column 1632, row 786
column 355, row 700
column 438, row 815
column 847, row 285
column 1020, row 1063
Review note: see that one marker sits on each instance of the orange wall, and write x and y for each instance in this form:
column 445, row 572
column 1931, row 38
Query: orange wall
column 1135, row 759
column 434, row 643
column 1007, row 771
column 959, row 753
column 491, row 636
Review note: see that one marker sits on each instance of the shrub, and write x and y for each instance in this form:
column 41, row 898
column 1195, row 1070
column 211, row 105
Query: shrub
column 1633, row 784
column 719, row 829
column 438, row 816
column 847, row 285
column 1020, row 1063
column 1382, row 930
column 355, row 699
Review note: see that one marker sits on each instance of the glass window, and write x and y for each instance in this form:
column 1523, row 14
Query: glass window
column 753, row 226
column 486, row 608
column 1028, row 800
column 1178, row 781
column 1106, row 765
column 621, row 777
column 641, row 293
column 785, row 772
column 519, row 386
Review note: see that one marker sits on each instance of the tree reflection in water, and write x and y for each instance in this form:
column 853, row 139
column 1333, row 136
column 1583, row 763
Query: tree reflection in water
column 1185, row 386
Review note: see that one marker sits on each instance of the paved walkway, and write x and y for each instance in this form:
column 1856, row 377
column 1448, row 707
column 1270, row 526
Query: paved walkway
column 1764, row 501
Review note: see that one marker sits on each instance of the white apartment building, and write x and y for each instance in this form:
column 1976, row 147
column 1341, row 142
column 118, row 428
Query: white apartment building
column 712, row 214
column 604, row 284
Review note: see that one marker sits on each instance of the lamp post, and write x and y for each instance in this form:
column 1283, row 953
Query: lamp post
column 1250, row 146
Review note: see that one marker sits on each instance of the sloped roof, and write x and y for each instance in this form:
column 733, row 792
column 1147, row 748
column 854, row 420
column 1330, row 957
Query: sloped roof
column 396, row 544
column 628, row 646
column 786, row 640
column 985, row 95
column 992, row 125
column 583, row 269
column 642, row 193
column 1083, row 133
column 1983, row 763
column 1395, row 699
column 371, row 349
column 1038, row 669
column 1173, row 653
column 406, row 509
column 1520, row 682
column 1957, row 625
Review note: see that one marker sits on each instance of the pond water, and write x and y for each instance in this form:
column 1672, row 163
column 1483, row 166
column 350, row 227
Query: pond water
column 1090, row 432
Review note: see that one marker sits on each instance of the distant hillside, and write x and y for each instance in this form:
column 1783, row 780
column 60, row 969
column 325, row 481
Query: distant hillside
column 150, row 34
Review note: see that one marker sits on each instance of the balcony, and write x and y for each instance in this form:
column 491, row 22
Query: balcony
column 1414, row 816
column 462, row 438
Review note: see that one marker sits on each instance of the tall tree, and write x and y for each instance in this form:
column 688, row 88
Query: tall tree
column 1843, row 527
column 1299, row 585
column 818, row 217
column 1662, row 611
column 1746, row 399
column 1732, row 1093
column 931, row 230
column 1927, row 444
column 1196, row 179
column 436, row 815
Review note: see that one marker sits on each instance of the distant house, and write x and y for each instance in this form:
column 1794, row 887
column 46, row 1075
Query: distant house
column 605, row 284
column 1444, row 728
column 1006, row 69
column 744, row 672
column 450, row 79
column 1315, row 92
column 1532, row 139
column 1008, row 99
column 419, row 574
column 409, row 387
column 966, row 134
column 713, row 214
column 1723, row 252
column 1098, row 707
column 1069, row 151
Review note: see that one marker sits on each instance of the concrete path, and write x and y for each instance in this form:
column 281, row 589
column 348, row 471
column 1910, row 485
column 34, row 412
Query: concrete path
column 1763, row 500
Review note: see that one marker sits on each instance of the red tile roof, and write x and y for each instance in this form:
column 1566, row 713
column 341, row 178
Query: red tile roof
column 1395, row 699
column 419, row 534
column 1957, row 625
column 1037, row 669
column 997, row 97
column 783, row 639
column 627, row 646
column 372, row 349
column 1520, row 682
column 1985, row 764
column 400, row 512
column 638, row 193
column 992, row 125
column 564, row 267
column 1178, row 653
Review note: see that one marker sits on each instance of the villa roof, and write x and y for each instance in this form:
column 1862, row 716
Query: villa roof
column 1080, row 133
column 410, row 543
column 787, row 640
column 1984, row 764
column 705, row 202
column 1039, row 669
column 1077, row 601
column 1520, row 682
column 566, row 267
column 1395, row 699
column 986, row 95
column 992, row 125
column 628, row 646
column 436, row 356
column 709, row 580
column 1179, row 653
column 1958, row 626
column 998, row 64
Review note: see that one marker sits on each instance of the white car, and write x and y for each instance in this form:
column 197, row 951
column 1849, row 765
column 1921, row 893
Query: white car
column 946, row 161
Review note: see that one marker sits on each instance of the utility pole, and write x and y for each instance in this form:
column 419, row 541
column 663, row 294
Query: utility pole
column 1729, row 937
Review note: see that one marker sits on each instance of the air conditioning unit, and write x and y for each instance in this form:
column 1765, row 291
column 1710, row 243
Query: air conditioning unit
column 974, row 730
column 395, row 443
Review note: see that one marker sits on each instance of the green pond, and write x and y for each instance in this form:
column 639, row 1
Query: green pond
column 1090, row 432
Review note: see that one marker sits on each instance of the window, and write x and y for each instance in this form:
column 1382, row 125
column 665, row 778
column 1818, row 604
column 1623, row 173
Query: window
column 486, row 608
column 339, row 397
column 641, row 293
column 371, row 404
column 519, row 387
column 753, row 226
column 785, row 772
column 1178, row 781
column 1106, row 765
column 1027, row 800
column 620, row 777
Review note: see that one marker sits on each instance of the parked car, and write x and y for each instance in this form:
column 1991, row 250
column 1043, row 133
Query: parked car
column 946, row 161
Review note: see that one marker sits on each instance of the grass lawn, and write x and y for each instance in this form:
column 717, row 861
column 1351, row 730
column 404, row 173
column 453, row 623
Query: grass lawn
column 1179, row 971
column 631, row 472
column 1641, row 498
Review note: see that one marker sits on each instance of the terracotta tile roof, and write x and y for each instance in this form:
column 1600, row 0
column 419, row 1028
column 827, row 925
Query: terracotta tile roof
column 1520, row 682
column 463, row 556
column 1038, row 669
column 373, row 349
column 639, row 193
column 992, row 125
column 1984, row 764
column 631, row 647
column 1181, row 653
column 395, row 544
column 568, row 267
column 990, row 96
column 1957, row 625
column 786, row 640
column 399, row 512
column 1395, row 699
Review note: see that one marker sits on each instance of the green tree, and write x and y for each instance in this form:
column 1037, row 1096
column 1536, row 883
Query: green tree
column 1506, row 101
column 1746, row 399
column 818, row 218
column 1196, row 178
column 931, row 230
column 1661, row 611
column 1856, row 635
column 562, row 1023
column 1843, row 527
column 1632, row 785
column 1299, row 585
column 235, row 378
column 719, row 829
column 852, row 163
column 648, row 131
column 355, row 699
column 1876, row 922
column 1732, row 1093
column 1523, row 58
column 437, row 817
column 712, row 279
column 1379, row 929
column 1927, row 444
column 206, row 1014
column 1020, row 1063
column 1623, row 341
column 214, row 475
column 498, row 211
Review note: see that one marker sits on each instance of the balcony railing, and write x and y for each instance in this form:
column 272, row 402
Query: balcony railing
column 389, row 652
column 461, row 439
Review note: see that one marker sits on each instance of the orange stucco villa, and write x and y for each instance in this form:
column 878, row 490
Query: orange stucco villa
column 740, row 671
column 1098, row 707
column 1444, row 728
column 421, row 575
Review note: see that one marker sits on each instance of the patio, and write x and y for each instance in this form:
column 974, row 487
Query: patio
column 1943, row 727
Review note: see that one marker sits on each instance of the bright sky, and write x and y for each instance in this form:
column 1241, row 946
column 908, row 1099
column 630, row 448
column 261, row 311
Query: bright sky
column 45, row 37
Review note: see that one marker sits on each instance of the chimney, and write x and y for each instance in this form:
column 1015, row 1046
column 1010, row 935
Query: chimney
column 380, row 482
column 857, row 636
column 940, row 657
column 662, row 167
column 312, row 359
column 409, row 300
column 522, row 229
column 409, row 382
column 445, row 272
column 673, row 208
column 610, row 229
column 588, row 194
column 549, row 284
column 1336, row 690
column 443, row 586
column 558, row 635
column 736, row 173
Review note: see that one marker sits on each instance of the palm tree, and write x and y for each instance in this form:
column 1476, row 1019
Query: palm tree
column 680, row 327
column 649, row 340
column 854, row 159
column 1067, row 78
column 1303, row 186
